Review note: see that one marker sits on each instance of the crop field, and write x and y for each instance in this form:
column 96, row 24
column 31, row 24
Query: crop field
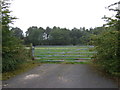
column 63, row 53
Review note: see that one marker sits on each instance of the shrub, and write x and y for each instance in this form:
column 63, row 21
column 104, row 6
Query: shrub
column 106, row 45
column 12, row 56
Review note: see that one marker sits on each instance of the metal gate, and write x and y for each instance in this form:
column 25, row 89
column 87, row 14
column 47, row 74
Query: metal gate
column 63, row 53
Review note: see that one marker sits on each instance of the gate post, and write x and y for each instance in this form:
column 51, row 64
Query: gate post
column 32, row 51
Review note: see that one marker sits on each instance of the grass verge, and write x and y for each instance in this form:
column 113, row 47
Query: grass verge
column 23, row 68
column 48, row 62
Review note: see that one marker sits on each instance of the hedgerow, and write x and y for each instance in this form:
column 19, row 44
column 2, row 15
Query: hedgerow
column 106, row 45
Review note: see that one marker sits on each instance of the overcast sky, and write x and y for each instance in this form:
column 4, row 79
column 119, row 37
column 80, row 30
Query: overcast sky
column 62, row 13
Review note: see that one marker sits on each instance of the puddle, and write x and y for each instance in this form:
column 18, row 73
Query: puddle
column 63, row 79
column 4, row 85
column 31, row 76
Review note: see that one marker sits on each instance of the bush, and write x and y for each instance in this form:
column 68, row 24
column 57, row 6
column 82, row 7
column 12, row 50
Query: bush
column 106, row 45
column 13, row 54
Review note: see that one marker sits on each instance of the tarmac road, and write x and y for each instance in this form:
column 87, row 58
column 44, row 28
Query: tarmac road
column 60, row 76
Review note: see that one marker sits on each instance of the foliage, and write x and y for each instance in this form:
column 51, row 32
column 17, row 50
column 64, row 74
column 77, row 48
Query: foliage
column 12, row 50
column 108, row 45
column 17, row 32
column 34, row 35
column 57, row 36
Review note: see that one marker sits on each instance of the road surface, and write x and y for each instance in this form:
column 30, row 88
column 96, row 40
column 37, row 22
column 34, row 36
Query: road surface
column 60, row 76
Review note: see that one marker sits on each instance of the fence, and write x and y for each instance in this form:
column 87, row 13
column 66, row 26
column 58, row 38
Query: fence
column 63, row 53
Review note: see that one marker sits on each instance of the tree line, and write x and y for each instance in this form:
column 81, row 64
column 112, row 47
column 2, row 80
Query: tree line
column 56, row 35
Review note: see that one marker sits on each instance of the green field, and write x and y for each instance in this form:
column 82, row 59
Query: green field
column 63, row 53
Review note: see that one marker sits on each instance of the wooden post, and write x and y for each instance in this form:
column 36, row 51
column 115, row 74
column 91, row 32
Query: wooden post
column 32, row 51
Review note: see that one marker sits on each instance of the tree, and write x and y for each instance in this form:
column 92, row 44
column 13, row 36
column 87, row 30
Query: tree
column 17, row 32
column 59, row 36
column 108, row 45
column 116, row 24
column 12, row 50
column 47, row 31
column 34, row 35
column 77, row 36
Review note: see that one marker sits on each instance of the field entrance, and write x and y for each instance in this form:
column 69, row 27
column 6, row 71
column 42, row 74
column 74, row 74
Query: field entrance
column 63, row 53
